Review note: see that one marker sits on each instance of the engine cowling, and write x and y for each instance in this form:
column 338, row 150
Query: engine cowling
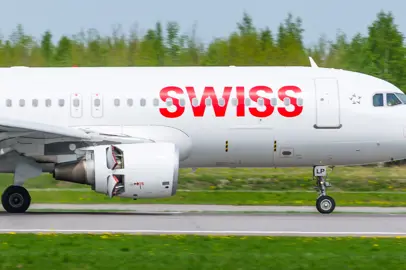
column 145, row 170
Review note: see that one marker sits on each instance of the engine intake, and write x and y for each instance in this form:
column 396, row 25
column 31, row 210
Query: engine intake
column 147, row 170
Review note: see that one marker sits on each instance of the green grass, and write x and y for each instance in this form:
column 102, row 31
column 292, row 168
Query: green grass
column 227, row 198
column 342, row 178
column 199, row 252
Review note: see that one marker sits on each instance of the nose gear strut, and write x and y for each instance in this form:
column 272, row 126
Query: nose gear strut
column 324, row 203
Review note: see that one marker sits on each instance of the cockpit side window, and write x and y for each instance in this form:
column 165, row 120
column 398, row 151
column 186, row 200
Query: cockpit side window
column 378, row 100
column 402, row 97
column 392, row 99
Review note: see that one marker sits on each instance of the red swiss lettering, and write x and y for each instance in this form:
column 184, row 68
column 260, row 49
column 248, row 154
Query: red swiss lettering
column 267, row 102
column 240, row 100
column 220, row 110
column 164, row 95
column 282, row 95
column 209, row 92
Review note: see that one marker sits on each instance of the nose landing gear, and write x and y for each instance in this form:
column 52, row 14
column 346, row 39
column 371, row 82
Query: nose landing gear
column 324, row 204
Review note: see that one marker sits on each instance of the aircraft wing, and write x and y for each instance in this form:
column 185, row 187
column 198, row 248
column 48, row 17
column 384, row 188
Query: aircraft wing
column 16, row 134
column 12, row 128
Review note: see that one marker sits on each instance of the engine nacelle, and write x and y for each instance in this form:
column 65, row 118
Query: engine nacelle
column 145, row 170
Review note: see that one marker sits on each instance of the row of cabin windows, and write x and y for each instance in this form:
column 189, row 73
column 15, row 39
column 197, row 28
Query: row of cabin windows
column 35, row 102
column 208, row 102
column 155, row 102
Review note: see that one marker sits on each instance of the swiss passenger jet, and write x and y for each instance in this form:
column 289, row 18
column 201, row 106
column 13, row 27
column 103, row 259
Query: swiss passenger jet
column 126, row 131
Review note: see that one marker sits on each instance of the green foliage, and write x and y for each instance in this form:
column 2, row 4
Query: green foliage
column 380, row 53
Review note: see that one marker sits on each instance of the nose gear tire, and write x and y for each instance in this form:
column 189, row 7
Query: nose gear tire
column 325, row 204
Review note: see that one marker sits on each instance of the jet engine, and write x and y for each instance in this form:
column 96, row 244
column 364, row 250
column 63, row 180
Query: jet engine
column 144, row 170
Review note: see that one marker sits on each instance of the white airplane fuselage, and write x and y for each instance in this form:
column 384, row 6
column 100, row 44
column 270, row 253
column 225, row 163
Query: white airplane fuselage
column 330, row 120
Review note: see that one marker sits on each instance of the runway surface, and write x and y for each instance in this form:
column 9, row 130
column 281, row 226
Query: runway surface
column 211, row 208
column 305, row 224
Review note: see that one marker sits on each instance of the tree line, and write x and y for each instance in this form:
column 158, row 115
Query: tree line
column 381, row 52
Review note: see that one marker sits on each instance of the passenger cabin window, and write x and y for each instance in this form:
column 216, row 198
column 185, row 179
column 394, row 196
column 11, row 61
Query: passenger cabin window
column 22, row 102
column 97, row 102
column 116, row 102
column 195, row 102
column 9, row 103
column 48, row 102
column 378, row 100
column 61, row 102
column 247, row 102
column 76, row 102
column 392, row 100
column 169, row 102
column 130, row 102
column 35, row 102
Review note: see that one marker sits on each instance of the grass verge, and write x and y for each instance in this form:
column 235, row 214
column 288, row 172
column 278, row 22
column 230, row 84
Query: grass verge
column 198, row 252
column 343, row 179
column 227, row 198
column 224, row 184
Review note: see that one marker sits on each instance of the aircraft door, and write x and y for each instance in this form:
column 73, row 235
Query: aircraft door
column 97, row 106
column 76, row 105
column 327, row 103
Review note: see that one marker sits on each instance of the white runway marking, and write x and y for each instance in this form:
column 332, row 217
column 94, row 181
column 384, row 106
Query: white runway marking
column 203, row 232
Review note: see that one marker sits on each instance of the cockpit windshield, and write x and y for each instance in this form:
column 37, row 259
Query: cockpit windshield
column 392, row 99
column 402, row 97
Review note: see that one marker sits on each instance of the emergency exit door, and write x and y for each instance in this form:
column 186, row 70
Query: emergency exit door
column 76, row 105
column 97, row 105
column 327, row 103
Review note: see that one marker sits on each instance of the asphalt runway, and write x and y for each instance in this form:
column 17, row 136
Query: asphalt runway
column 305, row 224
column 181, row 208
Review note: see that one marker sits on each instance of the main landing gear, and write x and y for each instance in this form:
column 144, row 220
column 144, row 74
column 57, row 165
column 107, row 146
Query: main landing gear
column 15, row 198
column 324, row 204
